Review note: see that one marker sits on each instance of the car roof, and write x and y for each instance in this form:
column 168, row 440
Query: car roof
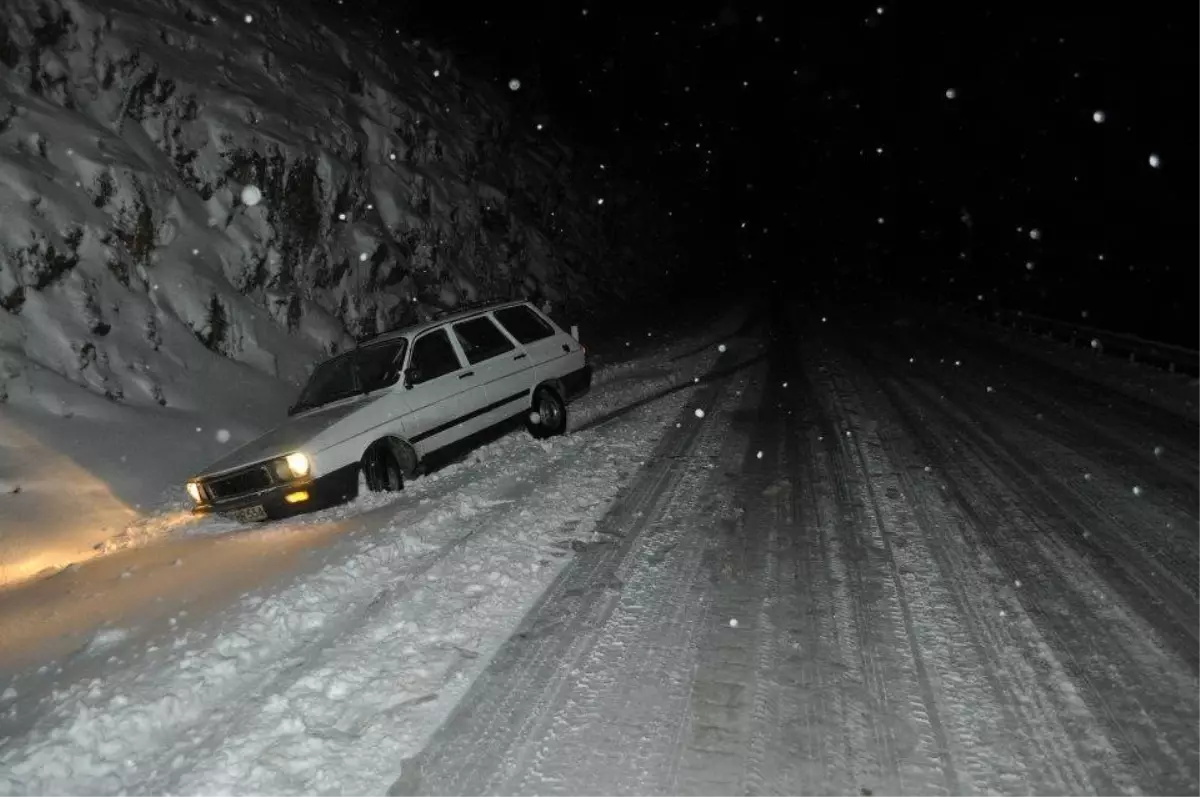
column 457, row 315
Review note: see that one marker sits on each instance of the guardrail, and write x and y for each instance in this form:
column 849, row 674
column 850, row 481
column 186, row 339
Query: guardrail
column 1103, row 342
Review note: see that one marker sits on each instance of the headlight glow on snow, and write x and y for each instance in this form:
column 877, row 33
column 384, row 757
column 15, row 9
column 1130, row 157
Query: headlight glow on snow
column 297, row 463
column 193, row 490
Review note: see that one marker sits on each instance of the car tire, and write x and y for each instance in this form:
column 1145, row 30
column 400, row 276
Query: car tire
column 382, row 470
column 548, row 415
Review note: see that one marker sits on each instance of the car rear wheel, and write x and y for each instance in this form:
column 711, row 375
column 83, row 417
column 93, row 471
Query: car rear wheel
column 382, row 470
column 548, row 415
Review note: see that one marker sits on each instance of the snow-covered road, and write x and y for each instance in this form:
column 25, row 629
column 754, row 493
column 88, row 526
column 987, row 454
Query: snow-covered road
column 843, row 557
column 894, row 560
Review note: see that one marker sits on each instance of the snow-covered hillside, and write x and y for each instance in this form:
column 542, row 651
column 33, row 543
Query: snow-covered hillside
column 200, row 199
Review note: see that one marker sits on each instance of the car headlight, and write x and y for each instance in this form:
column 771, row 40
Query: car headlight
column 298, row 464
column 193, row 490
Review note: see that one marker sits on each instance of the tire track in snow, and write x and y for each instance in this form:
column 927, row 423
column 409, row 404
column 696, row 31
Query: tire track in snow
column 1099, row 439
column 982, row 730
column 909, row 742
column 729, row 720
column 1014, row 734
column 633, row 682
column 481, row 747
column 1086, row 656
column 1129, row 685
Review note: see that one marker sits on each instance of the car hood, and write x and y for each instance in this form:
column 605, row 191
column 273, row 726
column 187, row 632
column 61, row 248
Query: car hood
column 291, row 435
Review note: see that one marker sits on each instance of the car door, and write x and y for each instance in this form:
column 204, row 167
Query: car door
column 501, row 365
column 438, row 389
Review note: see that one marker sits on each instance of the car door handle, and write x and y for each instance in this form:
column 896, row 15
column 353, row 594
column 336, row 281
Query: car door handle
column 520, row 357
column 468, row 373
column 566, row 347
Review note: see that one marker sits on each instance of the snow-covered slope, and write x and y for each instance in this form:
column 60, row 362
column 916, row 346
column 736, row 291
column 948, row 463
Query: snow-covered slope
column 199, row 199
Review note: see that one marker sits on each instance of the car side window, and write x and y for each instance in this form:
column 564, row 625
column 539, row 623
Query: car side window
column 524, row 324
column 379, row 365
column 481, row 339
column 433, row 355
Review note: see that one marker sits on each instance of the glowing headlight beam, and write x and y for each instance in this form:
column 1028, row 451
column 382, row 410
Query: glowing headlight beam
column 193, row 490
column 298, row 464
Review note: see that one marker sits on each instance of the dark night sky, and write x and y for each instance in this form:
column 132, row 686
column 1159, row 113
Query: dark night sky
column 774, row 114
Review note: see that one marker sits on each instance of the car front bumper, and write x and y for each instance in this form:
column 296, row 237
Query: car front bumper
column 331, row 488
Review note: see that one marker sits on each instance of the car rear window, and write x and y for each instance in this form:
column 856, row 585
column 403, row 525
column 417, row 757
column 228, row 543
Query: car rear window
column 433, row 356
column 481, row 339
column 524, row 324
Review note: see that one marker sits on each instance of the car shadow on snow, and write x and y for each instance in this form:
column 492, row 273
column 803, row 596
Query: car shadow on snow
column 712, row 376
column 749, row 328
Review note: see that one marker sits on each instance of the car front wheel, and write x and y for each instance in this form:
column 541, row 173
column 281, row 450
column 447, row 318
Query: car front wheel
column 548, row 416
column 382, row 470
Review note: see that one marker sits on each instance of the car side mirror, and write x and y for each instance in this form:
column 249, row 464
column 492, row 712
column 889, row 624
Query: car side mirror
column 411, row 377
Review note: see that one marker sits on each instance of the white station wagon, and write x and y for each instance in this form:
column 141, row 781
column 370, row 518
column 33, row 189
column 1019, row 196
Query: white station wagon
column 384, row 405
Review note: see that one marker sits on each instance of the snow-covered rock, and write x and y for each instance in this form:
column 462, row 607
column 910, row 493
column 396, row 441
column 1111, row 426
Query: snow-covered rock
column 271, row 187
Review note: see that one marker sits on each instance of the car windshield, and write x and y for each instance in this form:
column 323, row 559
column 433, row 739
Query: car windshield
column 354, row 373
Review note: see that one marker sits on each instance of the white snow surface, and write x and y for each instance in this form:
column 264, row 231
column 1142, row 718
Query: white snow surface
column 193, row 211
column 327, row 682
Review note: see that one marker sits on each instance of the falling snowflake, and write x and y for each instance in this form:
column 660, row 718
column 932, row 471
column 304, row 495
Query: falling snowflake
column 362, row 258
column 733, row 623
column 1158, row 451
column 1096, row 343
column 249, row 18
column 1098, row 117
column 341, row 217
column 721, row 348
column 699, row 413
column 785, row 384
column 1137, row 490
column 437, row 73
column 251, row 196
column 758, row 455
column 223, row 435
column 1035, row 234
column 1154, row 161
column 951, row 94
column 514, row 84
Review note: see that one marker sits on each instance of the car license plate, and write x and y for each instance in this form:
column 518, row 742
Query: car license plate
column 248, row 515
